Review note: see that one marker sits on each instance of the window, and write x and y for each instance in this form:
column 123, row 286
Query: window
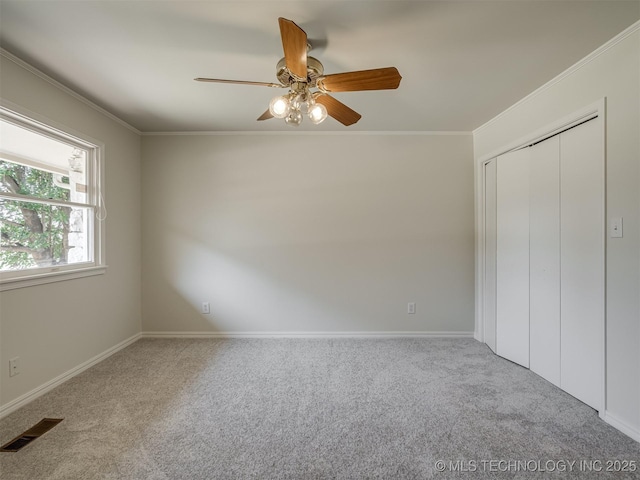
column 51, row 208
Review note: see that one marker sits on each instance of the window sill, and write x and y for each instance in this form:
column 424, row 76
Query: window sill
column 50, row 277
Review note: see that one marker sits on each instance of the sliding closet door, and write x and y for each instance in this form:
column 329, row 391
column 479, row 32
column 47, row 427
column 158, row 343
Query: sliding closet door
column 489, row 303
column 512, row 262
column 544, row 259
column 582, row 262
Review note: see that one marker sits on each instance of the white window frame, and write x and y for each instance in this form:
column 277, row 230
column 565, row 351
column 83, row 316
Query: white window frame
column 13, row 279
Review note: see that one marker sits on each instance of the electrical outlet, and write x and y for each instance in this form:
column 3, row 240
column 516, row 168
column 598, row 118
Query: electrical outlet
column 411, row 307
column 206, row 308
column 14, row 366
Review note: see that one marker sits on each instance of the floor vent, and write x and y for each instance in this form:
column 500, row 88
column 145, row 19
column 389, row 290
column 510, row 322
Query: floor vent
column 40, row 428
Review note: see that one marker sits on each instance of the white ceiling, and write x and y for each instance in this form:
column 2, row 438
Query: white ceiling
column 462, row 62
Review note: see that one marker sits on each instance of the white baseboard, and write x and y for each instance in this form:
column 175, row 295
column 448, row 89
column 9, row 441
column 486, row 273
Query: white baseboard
column 51, row 384
column 621, row 425
column 383, row 334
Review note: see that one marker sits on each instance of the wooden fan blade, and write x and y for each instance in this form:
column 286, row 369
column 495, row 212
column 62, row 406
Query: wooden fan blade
column 265, row 116
column 240, row 82
column 338, row 110
column 294, row 44
column 376, row 79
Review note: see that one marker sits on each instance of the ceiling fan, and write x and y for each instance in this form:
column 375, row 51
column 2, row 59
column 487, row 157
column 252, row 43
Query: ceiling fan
column 301, row 73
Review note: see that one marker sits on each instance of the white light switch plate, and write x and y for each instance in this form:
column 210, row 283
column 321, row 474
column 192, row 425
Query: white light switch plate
column 616, row 227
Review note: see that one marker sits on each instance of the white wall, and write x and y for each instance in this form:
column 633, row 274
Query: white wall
column 308, row 233
column 36, row 323
column 614, row 74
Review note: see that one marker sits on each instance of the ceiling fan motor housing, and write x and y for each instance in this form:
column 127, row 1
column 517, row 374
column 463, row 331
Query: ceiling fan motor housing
column 314, row 71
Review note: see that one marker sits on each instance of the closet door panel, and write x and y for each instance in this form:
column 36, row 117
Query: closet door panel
column 512, row 261
column 582, row 262
column 544, row 259
column 489, row 303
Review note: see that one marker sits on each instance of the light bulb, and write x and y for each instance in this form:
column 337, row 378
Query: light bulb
column 294, row 118
column 318, row 113
column 279, row 107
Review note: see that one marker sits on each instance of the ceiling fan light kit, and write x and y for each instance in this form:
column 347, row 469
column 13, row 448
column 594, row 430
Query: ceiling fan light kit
column 301, row 73
column 293, row 106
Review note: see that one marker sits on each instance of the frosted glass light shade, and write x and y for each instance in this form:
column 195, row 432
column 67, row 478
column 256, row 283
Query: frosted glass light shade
column 297, row 101
column 294, row 118
column 279, row 107
column 318, row 113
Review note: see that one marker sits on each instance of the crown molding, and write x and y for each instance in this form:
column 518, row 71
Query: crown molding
column 31, row 69
column 568, row 72
column 309, row 133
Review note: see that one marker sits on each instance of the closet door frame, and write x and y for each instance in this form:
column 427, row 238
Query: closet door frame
column 489, row 253
column 596, row 109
